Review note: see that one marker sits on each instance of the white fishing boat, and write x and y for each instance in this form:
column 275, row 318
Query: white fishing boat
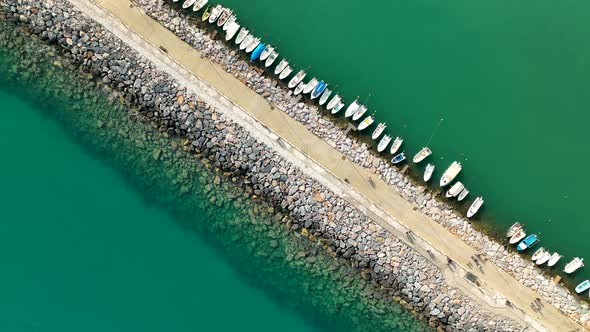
column 475, row 207
column 282, row 65
column 538, row 253
column 359, row 113
column 271, row 59
column 513, row 229
column 335, row 100
column 397, row 142
column 554, row 259
column 519, row 235
column 455, row 190
column 296, row 79
column 188, row 3
column 352, row 108
column 299, row 88
column 230, row 21
column 266, row 53
column 366, row 122
column 450, row 174
column 421, row 155
column 246, row 42
column 325, row 95
column 575, row 264
column 383, row 143
column 544, row 258
column 337, row 108
column 200, row 4
column 379, row 130
column 242, row 35
column 224, row 16
column 215, row 12
column 253, row 45
column 428, row 172
column 231, row 31
column 463, row 194
column 286, row 72
column 310, row 85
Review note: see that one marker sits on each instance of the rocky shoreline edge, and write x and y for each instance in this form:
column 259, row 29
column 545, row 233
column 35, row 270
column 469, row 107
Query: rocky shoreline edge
column 316, row 212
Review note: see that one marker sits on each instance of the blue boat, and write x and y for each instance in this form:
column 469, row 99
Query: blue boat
column 583, row 286
column 398, row 158
column 528, row 242
column 319, row 89
column 257, row 51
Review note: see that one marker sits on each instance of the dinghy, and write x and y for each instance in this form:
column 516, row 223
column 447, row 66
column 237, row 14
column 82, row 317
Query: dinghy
column 199, row 5
column 554, row 259
column 543, row 258
column 359, row 113
column 310, row 85
column 257, row 51
column 318, row 90
column 455, row 190
column 335, row 100
column 475, row 207
column 584, row 285
column 231, row 31
column 538, row 253
column 241, row 36
column 188, row 3
column 366, row 122
column 463, row 194
column 271, row 59
column 528, row 242
column 215, row 12
column 224, row 16
column 286, row 72
column 428, row 172
column 325, row 95
column 513, row 229
column 266, row 53
column 299, row 88
column 575, row 264
column 397, row 142
column 337, row 108
column 352, row 108
column 421, row 155
column 398, row 158
column 282, row 65
column 246, row 42
column 450, row 174
column 383, row 143
column 519, row 235
column 206, row 13
column 229, row 23
column 253, row 45
column 379, row 130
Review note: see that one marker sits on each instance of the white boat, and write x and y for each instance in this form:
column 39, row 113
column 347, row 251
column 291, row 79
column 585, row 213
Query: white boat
column 428, row 172
column 296, row 79
column 286, row 72
column 310, row 85
column 352, row 108
column 513, row 229
column 215, row 12
column 246, row 42
column 463, row 194
column 575, row 264
column 337, row 108
column 359, row 113
column 554, row 259
column 379, row 130
column 271, row 59
column 242, row 35
column 544, row 258
column 398, row 158
column 299, row 88
column 188, row 3
column 230, row 21
column 366, row 122
column 266, row 53
column 335, row 100
column 199, row 5
column 455, row 190
column 538, row 253
column 282, row 65
column 325, row 95
column 224, row 17
column 583, row 286
column 421, row 155
column 450, row 174
column 475, row 207
column 397, row 142
column 383, row 143
column 231, row 31
column 519, row 235
column 253, row 45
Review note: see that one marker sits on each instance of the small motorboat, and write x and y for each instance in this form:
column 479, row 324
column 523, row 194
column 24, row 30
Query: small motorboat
column 286, row 72
column 351, row 109
column 554, row 259
column 335, row 100
column 224, row 16
column 257, row 51
column 206, row 13
column 282, row 65
column 310, row 85
column 229, row 23
column 421, row 155
column 584, row 285
column 475, row 207
column 518, row 236
column 397, row 142
column 253, row 45
column 428, row 172
column 271, row 59
column 379, row 130
column 242, row 35
column 455, row 190
column 450, row 174
column 299, row 88
column 318, row 90
column 544, row 258
column 337, row 108
column 199, row 5
column 383, row 143
column 359, row 113
column 366, row 122
column 188, row 3
column 231, row 31
column 463, row 194
column 513, row 229
column 325, row 95
column 398, row 158
column 266, row 53
column 246, row 42
column 575, row 264
column 538, row 253
column 215, row 13
column 528, row 242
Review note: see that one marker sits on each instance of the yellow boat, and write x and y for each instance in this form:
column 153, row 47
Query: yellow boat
column 206, row 13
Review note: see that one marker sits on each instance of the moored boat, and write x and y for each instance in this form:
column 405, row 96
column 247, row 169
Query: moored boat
column 282, row 65
column 215, row 12
column 310, row 85
column 231, row 31
column 299, row 88
column 421, row 155
column 455, row 190
column 475, row 207
column 266, row 53
column 428, row 172
column 253, row 45
column 271, row 59
column 528, row 242
column 538, row 253
column 398, row 158
column 379, row 130
column 325, row 95
column 397, row 142
column 366, row 122
column 199, row 5
column 463, row 194
column 352, row 108
column 206, row 13
column 318, row 90
column 337, row 108
column 450, row 174
column 513, row 229
column 246, row 42
column 257, row 51
column 242, row 35
column 583, row 286
column 224, row 16
column 383, row 143
column 335, row 100
column 188, row 3
column 359, row 113
column 544, row 258
column 575, row 264
column 519, row 235
column 286, row 72
column 230, row 21
column 554, row 259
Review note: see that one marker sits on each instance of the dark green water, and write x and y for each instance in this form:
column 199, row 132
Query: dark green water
column 109, row 226
column 510, row 79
